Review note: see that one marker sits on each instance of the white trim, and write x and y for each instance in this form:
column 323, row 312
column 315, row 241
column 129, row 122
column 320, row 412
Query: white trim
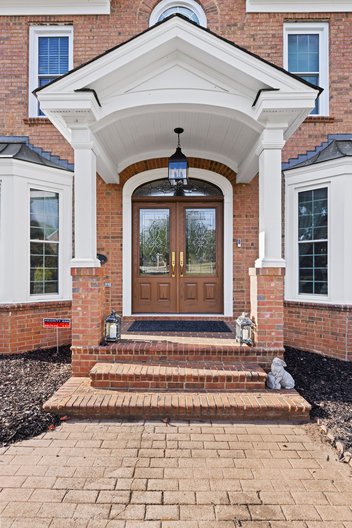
column 18, row 177
column 34, row 33
column 156, row 174
column 321, row 29
column 54, row 7
column 162, row 6
column 298, row 6
column 336, row 175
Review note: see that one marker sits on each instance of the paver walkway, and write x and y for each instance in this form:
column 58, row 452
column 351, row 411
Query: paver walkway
column 156, row 475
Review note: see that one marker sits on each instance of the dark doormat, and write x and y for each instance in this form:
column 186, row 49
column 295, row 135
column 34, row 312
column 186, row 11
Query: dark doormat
column 179, row 326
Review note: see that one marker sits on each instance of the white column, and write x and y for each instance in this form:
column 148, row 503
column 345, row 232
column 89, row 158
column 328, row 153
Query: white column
column 270, row 200
column 85, row 210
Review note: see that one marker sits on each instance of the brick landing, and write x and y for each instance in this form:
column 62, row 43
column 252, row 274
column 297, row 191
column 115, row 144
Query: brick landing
column 78, row 399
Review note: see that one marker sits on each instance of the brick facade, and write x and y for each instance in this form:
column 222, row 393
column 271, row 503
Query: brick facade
column 326, row 329
column 21, row 326
column 260, row 33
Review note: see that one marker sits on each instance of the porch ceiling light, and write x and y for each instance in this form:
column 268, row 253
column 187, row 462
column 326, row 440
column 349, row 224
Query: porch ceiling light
column 178, row 165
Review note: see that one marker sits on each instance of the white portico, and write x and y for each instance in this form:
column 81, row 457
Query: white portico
column 121, row 108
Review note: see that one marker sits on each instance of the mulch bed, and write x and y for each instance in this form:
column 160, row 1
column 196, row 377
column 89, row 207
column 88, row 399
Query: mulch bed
column 26, row 382
column 326, row 383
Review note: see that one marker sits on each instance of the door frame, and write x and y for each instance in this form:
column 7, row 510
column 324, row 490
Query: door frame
column 177, row 205
column 157, row 174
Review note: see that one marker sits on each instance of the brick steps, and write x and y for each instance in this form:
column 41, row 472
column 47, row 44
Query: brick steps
column 78, row 399
column 84, row 358
column 180, row 376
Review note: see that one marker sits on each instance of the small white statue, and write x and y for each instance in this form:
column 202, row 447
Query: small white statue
column 278, row 377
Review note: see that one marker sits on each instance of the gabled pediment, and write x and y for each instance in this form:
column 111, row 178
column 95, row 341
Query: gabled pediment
column 178, row 34
column 177, row 77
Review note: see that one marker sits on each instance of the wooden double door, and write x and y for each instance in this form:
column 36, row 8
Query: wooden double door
column 177, row 256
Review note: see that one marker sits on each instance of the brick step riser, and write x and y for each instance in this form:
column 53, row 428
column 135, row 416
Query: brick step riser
column 202, row 356
column 141, row 386
column 237, row 414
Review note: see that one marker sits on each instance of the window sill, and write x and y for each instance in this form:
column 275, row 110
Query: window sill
column 319, row 119
column 319, row 304
column 36, row 121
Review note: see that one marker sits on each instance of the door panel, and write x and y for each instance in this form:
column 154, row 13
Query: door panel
column 200, row 238
column 177, row 257
column 154, row 288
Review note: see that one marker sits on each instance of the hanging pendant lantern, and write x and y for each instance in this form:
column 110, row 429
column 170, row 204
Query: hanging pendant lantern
column 178, row 165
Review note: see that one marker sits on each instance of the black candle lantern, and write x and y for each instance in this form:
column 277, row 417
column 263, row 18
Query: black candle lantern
column 178, row 165
column 112, row 328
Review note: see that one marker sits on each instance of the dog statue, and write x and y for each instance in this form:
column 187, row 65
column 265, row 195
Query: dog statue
column 278, row 377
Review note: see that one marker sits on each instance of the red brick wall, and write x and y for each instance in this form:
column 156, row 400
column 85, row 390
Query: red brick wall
column 326, row 329
column 21, row 326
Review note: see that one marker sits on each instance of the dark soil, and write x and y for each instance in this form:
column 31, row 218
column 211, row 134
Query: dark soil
column 326, row 383
column 26, row 382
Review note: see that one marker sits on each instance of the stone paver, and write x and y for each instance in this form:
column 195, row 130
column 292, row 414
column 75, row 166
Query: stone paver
column 116, row 474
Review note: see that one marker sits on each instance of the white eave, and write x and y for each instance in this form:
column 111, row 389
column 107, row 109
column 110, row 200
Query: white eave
column 298, row 6
column 54, row 7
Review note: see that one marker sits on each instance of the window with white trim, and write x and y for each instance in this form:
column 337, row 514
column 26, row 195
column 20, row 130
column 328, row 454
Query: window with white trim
column 306, row 54
column 44, row 242
column 50, row 56
column 187, row 8
column 313, row 241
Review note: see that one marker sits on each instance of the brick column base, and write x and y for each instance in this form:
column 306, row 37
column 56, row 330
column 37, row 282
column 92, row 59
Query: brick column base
column 87, row 306
column 267, row 306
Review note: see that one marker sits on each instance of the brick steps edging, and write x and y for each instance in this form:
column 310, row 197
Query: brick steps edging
column 177, row 377
column 77, row 399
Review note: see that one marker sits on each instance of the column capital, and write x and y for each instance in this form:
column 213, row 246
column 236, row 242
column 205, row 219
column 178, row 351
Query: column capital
column 270, row 139
column 82, row 137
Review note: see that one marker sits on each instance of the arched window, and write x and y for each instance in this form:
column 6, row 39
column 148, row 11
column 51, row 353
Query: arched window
column 187, row 8
column 164, row 188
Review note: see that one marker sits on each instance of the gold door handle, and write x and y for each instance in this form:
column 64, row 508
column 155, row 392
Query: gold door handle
column 173, row 263
column 181, row 263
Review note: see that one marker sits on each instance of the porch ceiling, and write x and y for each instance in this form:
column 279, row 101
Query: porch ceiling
column 150, row 135
column 127, row 102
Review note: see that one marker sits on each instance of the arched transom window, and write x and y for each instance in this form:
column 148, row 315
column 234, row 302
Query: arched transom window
column 187, row 8
column 164, row 188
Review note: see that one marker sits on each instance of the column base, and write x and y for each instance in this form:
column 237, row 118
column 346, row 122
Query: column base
column 267, row 305
column 87, row 306
column 270, row 263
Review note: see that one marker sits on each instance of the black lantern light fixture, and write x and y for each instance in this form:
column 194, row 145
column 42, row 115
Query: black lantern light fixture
column 112, row 328
column 178, row 166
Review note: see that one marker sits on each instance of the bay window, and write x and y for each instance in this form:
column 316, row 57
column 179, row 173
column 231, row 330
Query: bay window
column 44, row 242
column 313, row 241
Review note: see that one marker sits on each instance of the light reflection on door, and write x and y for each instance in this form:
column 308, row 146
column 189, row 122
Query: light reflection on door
column 200, row 241
column 154, row 239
